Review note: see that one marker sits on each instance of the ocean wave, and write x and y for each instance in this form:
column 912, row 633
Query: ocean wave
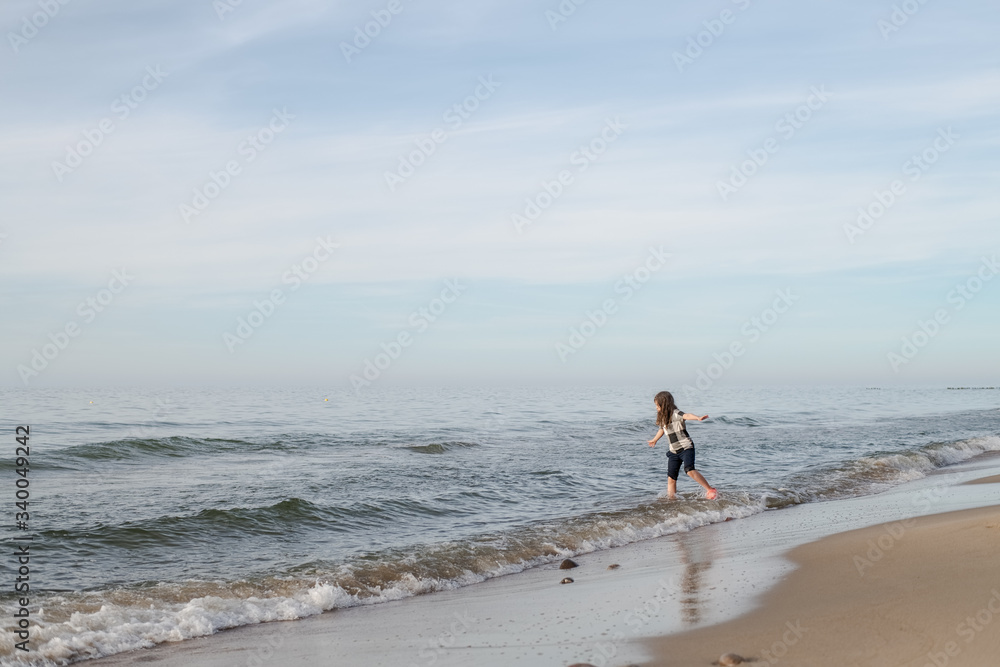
column 212, row 525
column 877, row 472
column 37, row 463
column 126, row 449
column 130, row 448
column 748, row 422
column 640, row 426
column 81, row 626
column 440, row 447
column 85, row 625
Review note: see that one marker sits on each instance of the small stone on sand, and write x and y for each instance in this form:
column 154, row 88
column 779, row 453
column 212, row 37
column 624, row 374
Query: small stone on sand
column 614, row 566
column 567, row 565
column 567, row 580
column 729, row 659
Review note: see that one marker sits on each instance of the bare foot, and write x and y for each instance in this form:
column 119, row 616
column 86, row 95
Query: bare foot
column 672, row 497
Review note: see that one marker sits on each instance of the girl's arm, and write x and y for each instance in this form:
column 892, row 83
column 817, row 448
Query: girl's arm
column 659, row 434
column 694, row 418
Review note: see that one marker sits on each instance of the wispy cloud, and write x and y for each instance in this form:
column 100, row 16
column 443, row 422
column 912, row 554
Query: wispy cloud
column 353, row 121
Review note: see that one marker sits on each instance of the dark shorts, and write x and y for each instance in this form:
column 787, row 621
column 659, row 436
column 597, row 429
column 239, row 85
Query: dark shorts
column 674, row 462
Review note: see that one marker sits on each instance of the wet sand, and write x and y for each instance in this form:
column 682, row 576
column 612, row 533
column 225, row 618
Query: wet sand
column 915, row 592
column 992, row 479
column 743, row 586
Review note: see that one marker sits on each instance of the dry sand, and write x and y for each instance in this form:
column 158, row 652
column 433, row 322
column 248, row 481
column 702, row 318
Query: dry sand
column 914, row 593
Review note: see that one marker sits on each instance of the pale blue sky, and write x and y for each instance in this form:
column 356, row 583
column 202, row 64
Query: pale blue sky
column 679, row 134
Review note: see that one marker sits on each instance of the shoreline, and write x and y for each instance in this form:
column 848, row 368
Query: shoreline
column 992, row 479
column 665, row 587
column 922, row 591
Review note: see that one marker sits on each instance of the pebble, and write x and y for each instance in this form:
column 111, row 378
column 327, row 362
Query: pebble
column 614, row 566
column 729, row 659
column 567, row 580
column 567, row 564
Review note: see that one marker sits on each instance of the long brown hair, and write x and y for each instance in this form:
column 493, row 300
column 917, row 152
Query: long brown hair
column 665, row 407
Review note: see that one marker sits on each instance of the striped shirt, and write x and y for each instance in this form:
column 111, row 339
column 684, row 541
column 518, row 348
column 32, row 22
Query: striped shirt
column 676, row 433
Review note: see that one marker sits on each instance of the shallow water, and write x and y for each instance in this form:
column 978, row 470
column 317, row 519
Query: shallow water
column 162, row 515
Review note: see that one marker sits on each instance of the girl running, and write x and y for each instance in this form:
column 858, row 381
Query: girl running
column 671, row 422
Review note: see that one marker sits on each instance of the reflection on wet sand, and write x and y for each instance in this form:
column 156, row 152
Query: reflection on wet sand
column 697, row 556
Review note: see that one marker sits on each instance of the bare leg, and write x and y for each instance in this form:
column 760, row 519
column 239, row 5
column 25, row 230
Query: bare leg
column 698, row 477
column 671, row 489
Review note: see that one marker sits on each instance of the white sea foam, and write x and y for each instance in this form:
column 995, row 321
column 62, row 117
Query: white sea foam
column 115, row 628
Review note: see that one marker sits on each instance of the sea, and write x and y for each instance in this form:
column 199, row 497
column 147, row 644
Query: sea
column 159, row 515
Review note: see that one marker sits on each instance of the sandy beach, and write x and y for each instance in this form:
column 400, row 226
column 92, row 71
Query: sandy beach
column 500, row 334
column 915, row 592
column 803, row 586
